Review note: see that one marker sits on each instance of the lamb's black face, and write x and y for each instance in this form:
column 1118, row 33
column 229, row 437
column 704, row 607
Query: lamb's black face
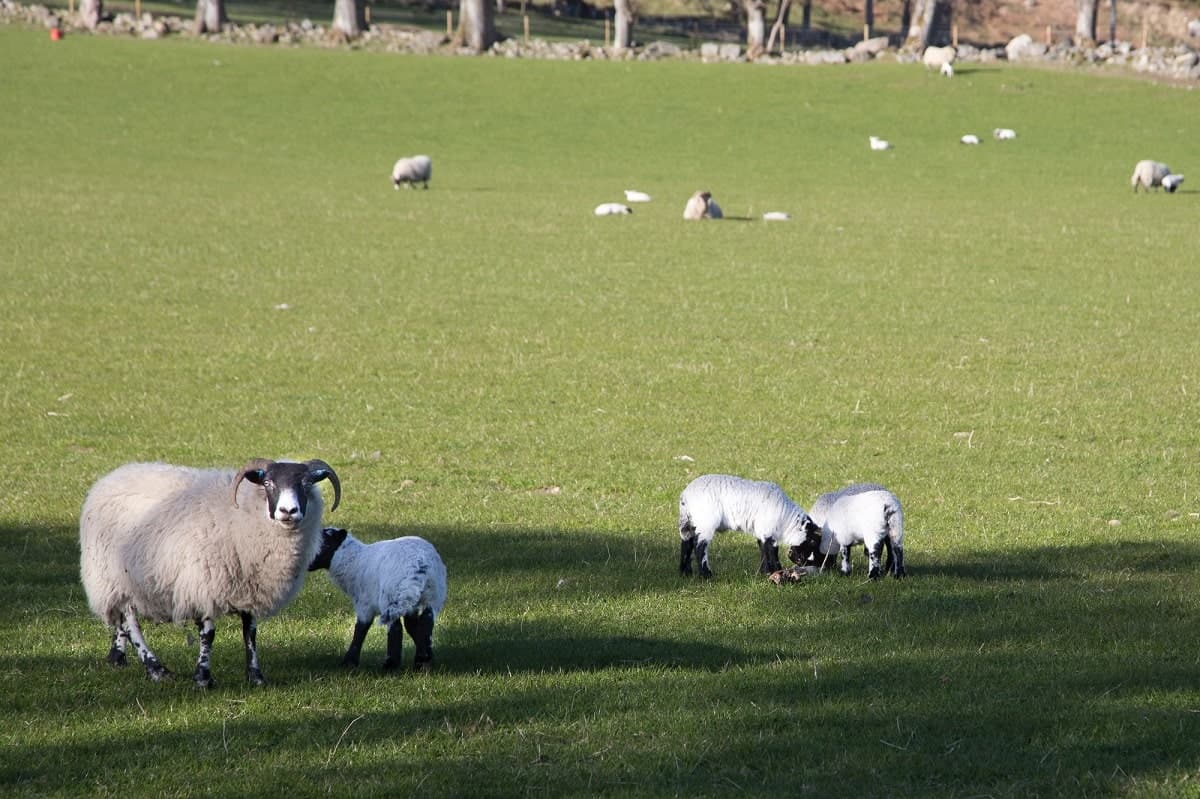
column 331, row 539
column 808, row 552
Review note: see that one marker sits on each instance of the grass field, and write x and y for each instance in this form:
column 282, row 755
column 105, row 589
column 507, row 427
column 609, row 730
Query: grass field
column 203, row 261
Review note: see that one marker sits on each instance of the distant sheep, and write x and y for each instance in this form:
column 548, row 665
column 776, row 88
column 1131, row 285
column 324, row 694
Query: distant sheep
column 1003, row 134
column 411, row 171
column 970, row 138
column 938, row 57
column 401, row 580
column 777, row 216
column 612, row 209
column 866, row 514
column 879, row 144
column 1149, row 175
column 174, row 544
column 635, row 196
column 716, row 502
column 701, row 205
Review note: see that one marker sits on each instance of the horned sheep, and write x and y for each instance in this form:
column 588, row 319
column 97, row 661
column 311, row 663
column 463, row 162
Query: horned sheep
column 717, row 502
column 176, row 544
column 402, row 581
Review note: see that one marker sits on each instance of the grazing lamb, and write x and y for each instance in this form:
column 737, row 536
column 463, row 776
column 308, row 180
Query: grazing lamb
column 1149, row 175
column 635, row 196
column 865, row 514
column 716, row 502
column 403, row 579
column 174, row 544
column 1004, row 134
column 612, row 209
column 701, row 205
column 411, row 171
column 880, row 144
column 969, row 138
column 939, row 57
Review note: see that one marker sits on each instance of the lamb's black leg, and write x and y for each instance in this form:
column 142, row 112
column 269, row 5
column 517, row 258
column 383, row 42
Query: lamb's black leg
column 888, row 564
column 250, row 638
column 395, row 646
column 686, row 547
column 702, row 558
column 873, row 559
column 769, row 552
column 208, row 631
column 356, row 643
column 420, row 629
column 898, row 571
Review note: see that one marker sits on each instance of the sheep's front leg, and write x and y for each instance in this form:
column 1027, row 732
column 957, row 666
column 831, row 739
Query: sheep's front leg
column 395, row 646
column 420, row 628
column 769, row 552
column 208, row 631
column 250, row 639
column 844, row 567
column 155, row 670
column 356, row 643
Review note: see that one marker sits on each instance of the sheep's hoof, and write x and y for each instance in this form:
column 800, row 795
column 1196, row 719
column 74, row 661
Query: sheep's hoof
column 391, row 665
column 203, row 681
column 348, row 662
column 157, row 673
column 422, row 666
column 117, row 658
column 255, row 677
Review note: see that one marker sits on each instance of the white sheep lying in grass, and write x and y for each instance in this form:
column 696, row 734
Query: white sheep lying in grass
column 866, row 514
column 174, row 544
column 401, row 580
column 612, row 209
column 635, row 196
column 1004, row 134
column 716, row 502
column 879, row 144
column 411, row 171
column 1152, row 174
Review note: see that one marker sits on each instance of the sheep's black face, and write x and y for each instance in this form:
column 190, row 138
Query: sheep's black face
column 806, row 553
column 287, row 486
column 331, row 539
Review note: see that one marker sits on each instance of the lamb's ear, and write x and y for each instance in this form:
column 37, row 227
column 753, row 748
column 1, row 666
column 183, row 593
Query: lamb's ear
column 255, row 471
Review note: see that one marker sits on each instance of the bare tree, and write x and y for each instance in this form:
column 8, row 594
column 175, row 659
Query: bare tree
column 781, row 21
column 350, row 17
column 1112, row 20
column 622, row 24
column 90, row 12
column 210, row 16
column 756, row 27
column 920, row 27
column 868, row 18
column 476, row 24
column 1085, row 22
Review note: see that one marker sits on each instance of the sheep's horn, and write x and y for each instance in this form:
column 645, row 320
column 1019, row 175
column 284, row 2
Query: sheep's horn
column 253, row 465
column 318, row 470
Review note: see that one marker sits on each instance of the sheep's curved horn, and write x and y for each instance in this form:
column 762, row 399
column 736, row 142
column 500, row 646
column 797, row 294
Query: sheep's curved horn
column 253, row 465
column 319, row 470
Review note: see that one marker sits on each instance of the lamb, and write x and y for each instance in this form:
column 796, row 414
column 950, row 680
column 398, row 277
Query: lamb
column 401, row 579
column 716, row 502
column 411, row 171
column 1004, row 134
column 612, row 209
column 865, row 514
column 701, row 205
column 173, row 544
column 635, row 196
column 939, row 57
column 1149, row 175
column 880, row 144
column 969, row 138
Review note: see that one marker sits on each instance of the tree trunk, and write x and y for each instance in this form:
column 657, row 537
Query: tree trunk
column 868, row 18
column 1085, row 22
column 89, row 13
column 781, row 21
column 806, row 16
column 920, row 29
column 1112, row 21
column 756, row 27
column 622, row 25
column 476, row 24
column 350, row 17
column 905, row 15
column 210, row 16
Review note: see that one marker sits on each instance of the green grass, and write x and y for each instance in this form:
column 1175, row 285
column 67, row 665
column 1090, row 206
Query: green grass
column 1004, row 335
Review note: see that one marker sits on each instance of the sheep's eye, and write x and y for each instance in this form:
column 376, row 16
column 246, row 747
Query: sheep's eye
column 269, row 484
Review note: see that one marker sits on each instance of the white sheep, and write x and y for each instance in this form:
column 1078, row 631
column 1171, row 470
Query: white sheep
column 635, row 196
column 777, row 216
column 612, row 209
column 411, row 171
column 1004, row 134
column 969, row 138
column 401, row 580
column 866, row 514
column 880, row 144
column 1149, row 174
column 1171, row 182
column 174, row 544
column 938, row 57
column 701, row 205
column 716, row 502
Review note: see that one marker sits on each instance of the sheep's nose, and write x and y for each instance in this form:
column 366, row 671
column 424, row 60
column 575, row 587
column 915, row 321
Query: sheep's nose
column 287, row 513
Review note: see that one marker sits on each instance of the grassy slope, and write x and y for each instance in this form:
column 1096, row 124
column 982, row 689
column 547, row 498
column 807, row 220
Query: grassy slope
column 1002, row 334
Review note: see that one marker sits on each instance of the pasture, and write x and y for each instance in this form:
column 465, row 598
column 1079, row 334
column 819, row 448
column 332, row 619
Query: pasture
column 203, row 261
